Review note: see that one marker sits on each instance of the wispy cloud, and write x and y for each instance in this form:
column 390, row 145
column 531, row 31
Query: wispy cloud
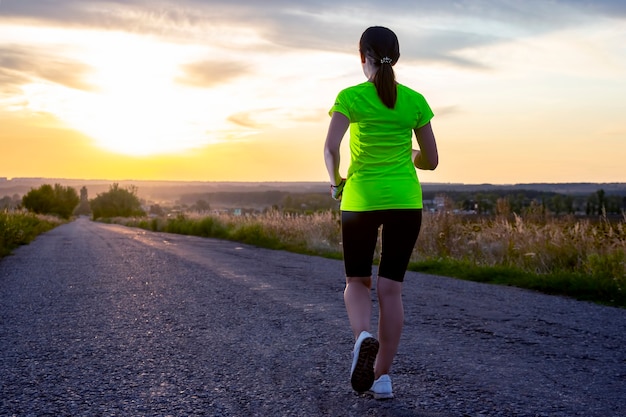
column 277, row 117
column 56, row 69
column 210, row 73
column 19, row 65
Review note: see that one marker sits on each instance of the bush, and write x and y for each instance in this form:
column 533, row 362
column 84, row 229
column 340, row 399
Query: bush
column 57, row 200
column 19, row 228
column 117, row 202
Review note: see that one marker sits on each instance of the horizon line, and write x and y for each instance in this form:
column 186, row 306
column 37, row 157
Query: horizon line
column 11, row 179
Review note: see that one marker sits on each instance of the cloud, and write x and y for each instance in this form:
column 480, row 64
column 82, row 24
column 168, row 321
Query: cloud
column 19, row 65
column 430, row 31
column 10, row 80
column 244, row 119
column 279, row 117
column 206, row 74
column 613, row 8
column 448, row 110
column 65, row 72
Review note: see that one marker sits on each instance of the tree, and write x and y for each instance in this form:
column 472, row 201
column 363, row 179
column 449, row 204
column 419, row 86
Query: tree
column 592, row 204
column 201, row 206
column 9, row 203
column 83, row 207
column 157, row 210
column 601, row 201
column 57, row 200
column 117, row 202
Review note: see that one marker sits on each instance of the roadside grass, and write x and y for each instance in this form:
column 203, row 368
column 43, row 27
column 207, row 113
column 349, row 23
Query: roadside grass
column 579, row 258
column 20, row 228
column 313, row 234
column 568, row 256
column 576, row 285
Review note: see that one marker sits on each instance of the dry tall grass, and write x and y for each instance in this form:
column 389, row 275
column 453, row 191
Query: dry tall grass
column 533, row 243
column 537, row 245
column 564, row 255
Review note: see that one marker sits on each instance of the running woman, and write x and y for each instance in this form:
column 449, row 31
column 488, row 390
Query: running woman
column 381, row 189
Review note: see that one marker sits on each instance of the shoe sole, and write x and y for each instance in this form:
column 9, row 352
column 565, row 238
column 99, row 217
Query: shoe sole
column 385, row 396
column 362, row 378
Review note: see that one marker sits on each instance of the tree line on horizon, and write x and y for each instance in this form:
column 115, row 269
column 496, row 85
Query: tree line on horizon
column 597, row 203
column 64, row 201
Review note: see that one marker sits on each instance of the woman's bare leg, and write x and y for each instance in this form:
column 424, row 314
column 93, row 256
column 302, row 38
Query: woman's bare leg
column 358, row 303
column 391, row 320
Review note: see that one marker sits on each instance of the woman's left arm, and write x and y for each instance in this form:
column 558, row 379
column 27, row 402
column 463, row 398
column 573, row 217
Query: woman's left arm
column 427, row 156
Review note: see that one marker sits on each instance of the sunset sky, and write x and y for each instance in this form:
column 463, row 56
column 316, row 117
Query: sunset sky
column 531, row 91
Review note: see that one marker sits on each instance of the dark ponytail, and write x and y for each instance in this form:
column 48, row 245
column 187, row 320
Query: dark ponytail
column 380, row 45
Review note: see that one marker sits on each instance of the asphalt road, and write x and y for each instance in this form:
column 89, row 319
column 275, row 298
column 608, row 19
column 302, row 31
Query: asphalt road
column 102, row 320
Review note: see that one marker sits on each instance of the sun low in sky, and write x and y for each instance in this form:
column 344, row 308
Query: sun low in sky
column 240, row 90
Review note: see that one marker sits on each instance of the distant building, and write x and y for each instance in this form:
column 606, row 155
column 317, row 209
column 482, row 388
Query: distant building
column 439, row 202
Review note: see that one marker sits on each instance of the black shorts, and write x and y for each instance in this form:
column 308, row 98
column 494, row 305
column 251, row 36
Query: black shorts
column 359, row 233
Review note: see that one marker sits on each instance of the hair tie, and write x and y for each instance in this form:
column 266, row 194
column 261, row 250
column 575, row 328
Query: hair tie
column 386, row 60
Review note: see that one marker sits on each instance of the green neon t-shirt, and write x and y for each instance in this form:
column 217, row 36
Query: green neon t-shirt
column 381, row 174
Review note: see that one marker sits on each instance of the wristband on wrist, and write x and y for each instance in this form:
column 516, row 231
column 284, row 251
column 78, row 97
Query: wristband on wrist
column 341, row 183
column 337, row 190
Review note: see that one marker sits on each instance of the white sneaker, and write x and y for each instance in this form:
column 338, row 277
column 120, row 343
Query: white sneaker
column 363, row 357
column 381, row 388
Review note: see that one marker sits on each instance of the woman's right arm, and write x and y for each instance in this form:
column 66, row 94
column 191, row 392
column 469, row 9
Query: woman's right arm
column 427, row 156
column 339, row 124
